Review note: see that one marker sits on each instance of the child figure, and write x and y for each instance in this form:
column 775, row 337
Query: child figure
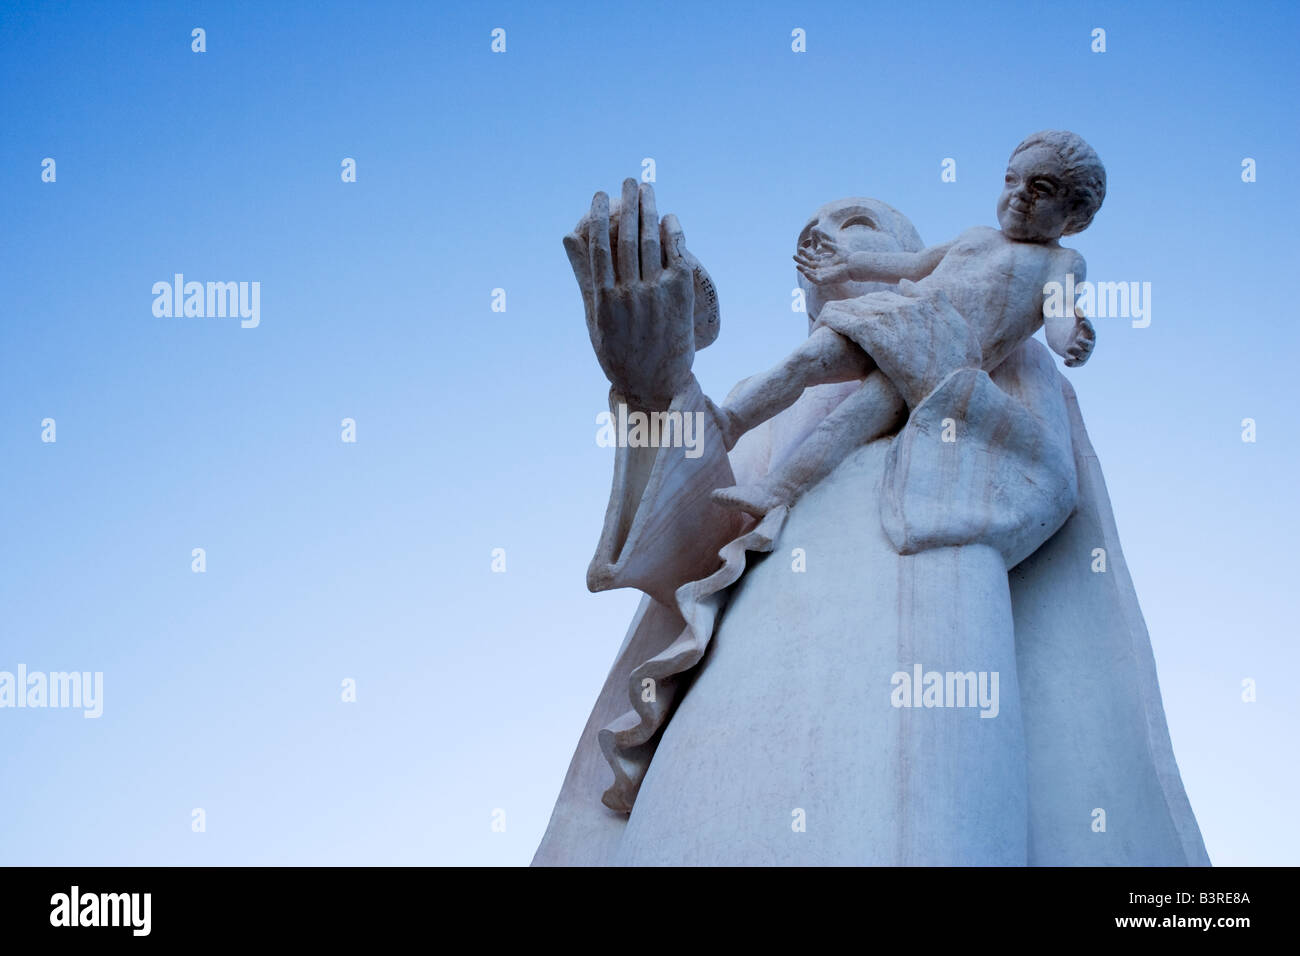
column 994, row 278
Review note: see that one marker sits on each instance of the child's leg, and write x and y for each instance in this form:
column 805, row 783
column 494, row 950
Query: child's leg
column 871, row 411
column 822, row 358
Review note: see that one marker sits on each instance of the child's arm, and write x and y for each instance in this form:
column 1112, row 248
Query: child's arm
column 1082, row 341
column 1071, row 336
column 869, row 266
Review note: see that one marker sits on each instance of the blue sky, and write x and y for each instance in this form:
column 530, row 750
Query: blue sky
column 475, row 429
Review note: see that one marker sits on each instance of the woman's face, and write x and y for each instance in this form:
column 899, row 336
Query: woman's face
column 852, row 225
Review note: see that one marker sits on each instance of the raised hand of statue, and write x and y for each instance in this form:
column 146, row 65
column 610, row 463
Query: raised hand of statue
column 639, row 290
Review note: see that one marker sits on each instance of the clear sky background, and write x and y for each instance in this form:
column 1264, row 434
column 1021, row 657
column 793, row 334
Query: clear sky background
column 476, row 429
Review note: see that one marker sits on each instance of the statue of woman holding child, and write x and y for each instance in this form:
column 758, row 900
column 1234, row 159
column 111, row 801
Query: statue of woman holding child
column 873, row 631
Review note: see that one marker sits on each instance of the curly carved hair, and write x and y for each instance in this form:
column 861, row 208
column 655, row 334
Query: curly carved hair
column 1083, row 171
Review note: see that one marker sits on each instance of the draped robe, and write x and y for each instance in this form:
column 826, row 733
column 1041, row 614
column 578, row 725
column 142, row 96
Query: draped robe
column 749, row 715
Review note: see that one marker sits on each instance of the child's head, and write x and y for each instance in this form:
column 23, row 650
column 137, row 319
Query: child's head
column 1055, row 184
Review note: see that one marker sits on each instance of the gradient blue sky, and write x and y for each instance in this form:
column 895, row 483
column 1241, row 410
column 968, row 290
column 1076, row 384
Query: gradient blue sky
column 476, row 429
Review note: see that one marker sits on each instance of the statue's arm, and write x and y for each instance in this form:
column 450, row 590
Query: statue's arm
column 1070, row 336
column 895, row 266
column 638, row 286
column 864, row 266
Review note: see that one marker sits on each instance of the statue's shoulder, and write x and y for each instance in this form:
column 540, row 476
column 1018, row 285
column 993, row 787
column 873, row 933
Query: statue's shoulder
column 976, row 239
column 1071, row 261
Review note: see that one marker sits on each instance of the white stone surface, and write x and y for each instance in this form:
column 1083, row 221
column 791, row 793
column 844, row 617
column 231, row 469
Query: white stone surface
column 775, row 689
column 983, row 292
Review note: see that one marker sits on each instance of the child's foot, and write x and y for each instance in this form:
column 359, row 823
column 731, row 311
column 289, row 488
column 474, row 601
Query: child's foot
column 756, row 500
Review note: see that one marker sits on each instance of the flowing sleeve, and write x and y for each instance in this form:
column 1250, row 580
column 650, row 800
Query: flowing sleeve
column 664, row 535
column 661, row 527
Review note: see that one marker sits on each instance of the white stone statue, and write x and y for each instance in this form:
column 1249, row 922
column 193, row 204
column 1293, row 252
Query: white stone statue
column 887, row 546
column 985, row 288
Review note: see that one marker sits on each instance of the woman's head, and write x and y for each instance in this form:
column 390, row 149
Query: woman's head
column 855, row 224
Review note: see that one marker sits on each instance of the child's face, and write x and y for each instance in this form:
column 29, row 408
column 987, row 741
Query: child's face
column 1035, row 201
